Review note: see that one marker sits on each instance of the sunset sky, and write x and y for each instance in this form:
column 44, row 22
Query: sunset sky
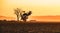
column 38, row 7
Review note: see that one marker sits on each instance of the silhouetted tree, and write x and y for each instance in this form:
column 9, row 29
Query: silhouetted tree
column 23, row 16
column 17, row 12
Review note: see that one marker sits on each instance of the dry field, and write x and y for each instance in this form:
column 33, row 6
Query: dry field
column 25, row 27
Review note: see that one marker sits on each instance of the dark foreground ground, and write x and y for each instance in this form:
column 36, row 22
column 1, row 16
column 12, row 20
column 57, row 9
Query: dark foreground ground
column 21, row 27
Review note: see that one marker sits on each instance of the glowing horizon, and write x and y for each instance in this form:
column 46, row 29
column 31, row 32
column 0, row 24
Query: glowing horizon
column 35, row 18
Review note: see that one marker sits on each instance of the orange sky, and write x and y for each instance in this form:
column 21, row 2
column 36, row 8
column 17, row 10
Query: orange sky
column 38, row 7
column 46, row 18
column 6, row 18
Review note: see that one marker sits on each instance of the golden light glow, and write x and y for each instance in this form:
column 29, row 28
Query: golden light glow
column 38, row 7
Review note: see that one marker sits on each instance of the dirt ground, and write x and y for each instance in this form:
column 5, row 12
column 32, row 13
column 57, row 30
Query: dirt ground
column 25, row 27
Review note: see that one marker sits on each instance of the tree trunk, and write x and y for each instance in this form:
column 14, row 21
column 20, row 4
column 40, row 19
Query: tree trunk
column 17, row 18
